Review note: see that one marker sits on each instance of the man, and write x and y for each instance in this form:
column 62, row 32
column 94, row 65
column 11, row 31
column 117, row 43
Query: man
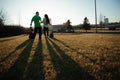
column 37, row 24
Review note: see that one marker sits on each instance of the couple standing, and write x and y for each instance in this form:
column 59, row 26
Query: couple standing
column 37, row 24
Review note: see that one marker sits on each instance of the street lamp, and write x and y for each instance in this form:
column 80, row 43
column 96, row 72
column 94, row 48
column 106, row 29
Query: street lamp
column 95, row 16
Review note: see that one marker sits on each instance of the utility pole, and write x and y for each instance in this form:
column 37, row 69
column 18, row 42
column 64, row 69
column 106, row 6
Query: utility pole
column 95, row 16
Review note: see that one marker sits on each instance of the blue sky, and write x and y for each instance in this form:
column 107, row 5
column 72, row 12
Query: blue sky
column 60, row 10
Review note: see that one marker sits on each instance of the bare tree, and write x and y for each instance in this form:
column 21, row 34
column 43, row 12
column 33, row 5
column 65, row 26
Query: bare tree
column 67, row 25
column 2, row 17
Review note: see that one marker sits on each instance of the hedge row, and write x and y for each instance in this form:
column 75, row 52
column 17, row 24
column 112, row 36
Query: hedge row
column 6, row 31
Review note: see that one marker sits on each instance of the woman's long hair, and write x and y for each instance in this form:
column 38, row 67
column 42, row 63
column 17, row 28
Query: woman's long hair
column 47, row 19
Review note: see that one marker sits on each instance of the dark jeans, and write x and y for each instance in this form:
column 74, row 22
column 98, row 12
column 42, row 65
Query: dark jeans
column 38, row 29
column 46, row 31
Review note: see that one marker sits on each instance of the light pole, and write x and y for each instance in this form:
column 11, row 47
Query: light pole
column 95, row 16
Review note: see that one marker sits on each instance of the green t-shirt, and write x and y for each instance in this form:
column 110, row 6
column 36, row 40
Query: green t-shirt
column 37, row 20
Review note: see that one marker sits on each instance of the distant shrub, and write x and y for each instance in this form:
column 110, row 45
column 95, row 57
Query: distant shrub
column 86, row 24
column 112, row 28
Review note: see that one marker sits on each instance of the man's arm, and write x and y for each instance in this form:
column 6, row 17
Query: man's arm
column 31, row 23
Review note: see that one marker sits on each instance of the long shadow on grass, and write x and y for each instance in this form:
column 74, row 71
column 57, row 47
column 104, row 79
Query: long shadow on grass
column 7, row 40
column 73, row 49
column 16, row 71
column 18, row 47
column 63, row 43
column 35, row 69
column 65, row 66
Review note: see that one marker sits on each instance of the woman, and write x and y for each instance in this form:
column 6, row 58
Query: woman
column 46, row 23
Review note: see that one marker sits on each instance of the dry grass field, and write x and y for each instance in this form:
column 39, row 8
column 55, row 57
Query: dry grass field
column 65, row 57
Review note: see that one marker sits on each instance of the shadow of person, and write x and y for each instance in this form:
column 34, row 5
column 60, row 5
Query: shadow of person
column 18, row 47
column 35, row 68
column 65, row 66
column 74, row 49
column 16, row 71
column 7, row 40
column 63, row 43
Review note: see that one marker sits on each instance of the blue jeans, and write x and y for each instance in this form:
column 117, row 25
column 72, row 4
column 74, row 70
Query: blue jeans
column 38, row 29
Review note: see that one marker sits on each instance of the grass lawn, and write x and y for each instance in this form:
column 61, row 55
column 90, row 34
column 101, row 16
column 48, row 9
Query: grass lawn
column 66, row 57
